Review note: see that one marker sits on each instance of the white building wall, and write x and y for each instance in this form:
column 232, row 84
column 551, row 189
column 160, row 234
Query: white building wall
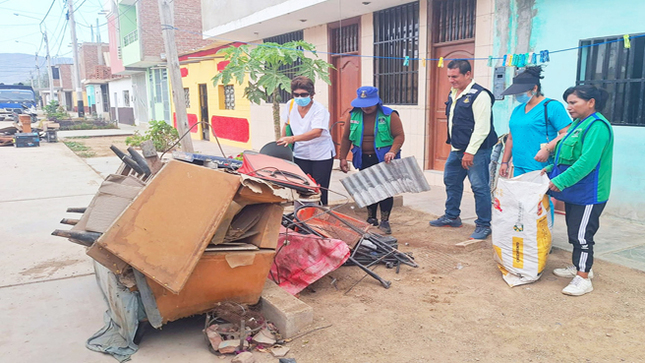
column 117, row 87
column 413, row 117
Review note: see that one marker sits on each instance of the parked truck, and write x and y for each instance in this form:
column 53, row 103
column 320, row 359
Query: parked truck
column 16, row 100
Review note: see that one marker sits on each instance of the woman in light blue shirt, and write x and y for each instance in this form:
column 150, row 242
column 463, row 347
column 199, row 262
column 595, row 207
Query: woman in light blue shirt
column 535, row 123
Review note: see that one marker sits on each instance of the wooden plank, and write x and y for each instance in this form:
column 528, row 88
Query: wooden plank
column 165, row 230
column 107, row 259
column 268, row 227
column 232, row 210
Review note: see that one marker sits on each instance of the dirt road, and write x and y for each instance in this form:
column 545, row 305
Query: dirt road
column 457, row 308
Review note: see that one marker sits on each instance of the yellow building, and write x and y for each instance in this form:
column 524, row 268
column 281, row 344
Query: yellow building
column 222, row 107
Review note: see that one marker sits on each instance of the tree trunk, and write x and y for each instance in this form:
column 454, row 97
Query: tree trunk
column 276, row 114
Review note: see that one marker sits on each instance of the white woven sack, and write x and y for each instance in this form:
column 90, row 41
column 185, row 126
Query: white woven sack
column 520, row 224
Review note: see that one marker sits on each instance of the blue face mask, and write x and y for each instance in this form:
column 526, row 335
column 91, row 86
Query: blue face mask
column 302, row 101
column 523, row 98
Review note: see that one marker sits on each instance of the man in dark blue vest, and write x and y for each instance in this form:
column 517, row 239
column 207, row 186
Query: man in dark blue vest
column 471, row 136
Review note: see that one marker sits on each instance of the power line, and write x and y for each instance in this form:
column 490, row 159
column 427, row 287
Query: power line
column 78, row 7
column 61, row 41
column 20, row 37
column 50, row 9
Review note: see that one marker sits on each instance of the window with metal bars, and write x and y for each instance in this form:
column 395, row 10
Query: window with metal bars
column 454, row 20
column 621, row 72
column 290, row 70
column 187, row 97
column 229, row 97
column 396, row 35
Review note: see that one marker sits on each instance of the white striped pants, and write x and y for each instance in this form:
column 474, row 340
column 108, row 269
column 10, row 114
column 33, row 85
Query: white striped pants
column 582, row 224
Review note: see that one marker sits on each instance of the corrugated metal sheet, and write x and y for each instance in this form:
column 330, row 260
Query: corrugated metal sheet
column 385, row 180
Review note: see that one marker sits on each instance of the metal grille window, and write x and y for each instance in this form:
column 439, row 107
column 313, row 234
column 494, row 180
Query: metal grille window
column 126, row 98
column 454, row 19
column 187, row 97
column 130, row 38
column 396, row 35
column 229, row 97
column 345, row 39
column 621, row 72
column 290, row 70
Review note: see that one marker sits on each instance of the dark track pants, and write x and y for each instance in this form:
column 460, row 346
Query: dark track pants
column 320, row 170
column 582, row 224
column 386, row 204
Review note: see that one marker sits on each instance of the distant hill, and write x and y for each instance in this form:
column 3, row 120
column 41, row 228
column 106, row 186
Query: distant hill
column 15, row 67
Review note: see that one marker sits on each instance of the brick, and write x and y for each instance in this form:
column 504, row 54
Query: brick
column 287, row 312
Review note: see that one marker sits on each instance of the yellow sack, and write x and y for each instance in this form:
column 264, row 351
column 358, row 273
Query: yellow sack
column 520, row 225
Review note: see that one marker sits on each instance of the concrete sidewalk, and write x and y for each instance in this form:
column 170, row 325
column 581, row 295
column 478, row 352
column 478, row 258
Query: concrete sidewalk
column 49, row 298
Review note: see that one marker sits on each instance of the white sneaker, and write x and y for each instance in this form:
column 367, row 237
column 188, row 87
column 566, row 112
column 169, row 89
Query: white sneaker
column 570, row 271
column 578, row 286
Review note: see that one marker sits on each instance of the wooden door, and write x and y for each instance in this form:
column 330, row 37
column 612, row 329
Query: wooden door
column 203, row 111
column 347, row 81
column 344, row 44
column 453, row 37
column 437, row 135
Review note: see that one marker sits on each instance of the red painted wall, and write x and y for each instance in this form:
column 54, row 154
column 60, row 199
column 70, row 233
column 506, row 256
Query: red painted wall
column 231, row 128
column 192, row 119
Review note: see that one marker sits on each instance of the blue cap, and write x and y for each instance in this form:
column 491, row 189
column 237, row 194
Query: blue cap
column 367, row 96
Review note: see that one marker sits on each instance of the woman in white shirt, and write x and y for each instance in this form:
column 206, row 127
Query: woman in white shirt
column 306, row 127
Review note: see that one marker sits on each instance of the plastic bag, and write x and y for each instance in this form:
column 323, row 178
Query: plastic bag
column 520, row 225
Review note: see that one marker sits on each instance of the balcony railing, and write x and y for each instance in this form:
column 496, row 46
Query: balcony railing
column 130, row 38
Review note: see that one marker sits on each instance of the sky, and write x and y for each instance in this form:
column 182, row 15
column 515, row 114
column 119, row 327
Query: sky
column 21, row 34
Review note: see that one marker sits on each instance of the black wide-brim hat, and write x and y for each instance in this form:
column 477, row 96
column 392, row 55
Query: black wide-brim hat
column 523, row 82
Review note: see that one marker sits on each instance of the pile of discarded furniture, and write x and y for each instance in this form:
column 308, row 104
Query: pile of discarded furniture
column 186, row 236
column 22, row 134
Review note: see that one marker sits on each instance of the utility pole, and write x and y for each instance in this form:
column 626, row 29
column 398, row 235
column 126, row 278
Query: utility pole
column 77, row 72
column 38, row 83
column 52, row 96
column 172, row 59
column 98, row 40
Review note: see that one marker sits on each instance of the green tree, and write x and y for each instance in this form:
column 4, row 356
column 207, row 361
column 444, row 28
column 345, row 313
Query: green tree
column 267, row 66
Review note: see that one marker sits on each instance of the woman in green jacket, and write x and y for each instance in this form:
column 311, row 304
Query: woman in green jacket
column 581, row 178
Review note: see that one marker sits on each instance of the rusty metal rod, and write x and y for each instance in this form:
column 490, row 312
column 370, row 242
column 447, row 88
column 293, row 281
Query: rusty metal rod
column 76, row 210
column 71, row 221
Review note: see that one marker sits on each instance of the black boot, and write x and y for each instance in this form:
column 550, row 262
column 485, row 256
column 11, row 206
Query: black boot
column 371, row 214
column 385, row 223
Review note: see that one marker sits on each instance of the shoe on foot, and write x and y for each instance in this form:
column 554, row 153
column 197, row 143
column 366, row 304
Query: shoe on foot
column 373, row 221
column 444, row 221
column 578, row 286
column 570, row 271
column 385, row 227
column 481, row 232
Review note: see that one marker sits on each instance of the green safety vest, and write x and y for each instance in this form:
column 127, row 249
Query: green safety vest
column 382, row 134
